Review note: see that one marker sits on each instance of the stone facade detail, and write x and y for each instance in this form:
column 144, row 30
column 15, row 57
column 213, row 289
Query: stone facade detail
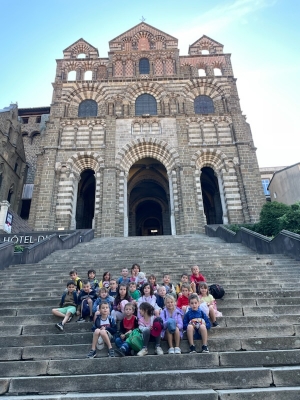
column 168, row 169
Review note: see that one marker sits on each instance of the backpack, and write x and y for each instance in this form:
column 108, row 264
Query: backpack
column 216, row 291
column 135, row 340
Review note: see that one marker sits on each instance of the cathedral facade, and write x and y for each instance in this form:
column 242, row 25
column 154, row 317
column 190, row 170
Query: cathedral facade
column 145, row 141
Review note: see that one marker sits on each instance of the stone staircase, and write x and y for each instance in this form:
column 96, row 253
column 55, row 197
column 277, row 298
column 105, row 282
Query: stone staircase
column 255, row 353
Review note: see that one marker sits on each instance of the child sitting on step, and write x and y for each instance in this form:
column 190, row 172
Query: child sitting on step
column 196, row 324
column 149, row 328
column 172, row 324
column 127, row 325
column 86, row 298
column 104, row 327
column 196, row 278
column 207, row 298
column 67, row 306
column 124, row 278
column 75, row 278
column 152, row 281
column 133, row 292
column 121, row 299
column 160, row 297
column 113, row 288
column 183, row 300
column 148, row 297
column 92, row 279
column 168, row 285
column 103, row 297
column 183, row 280
column 135, row 269
column 105, row 280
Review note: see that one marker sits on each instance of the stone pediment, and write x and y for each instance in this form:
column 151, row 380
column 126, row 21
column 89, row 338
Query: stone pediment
column 81, row 46
column 143, row 31
column 205, row 43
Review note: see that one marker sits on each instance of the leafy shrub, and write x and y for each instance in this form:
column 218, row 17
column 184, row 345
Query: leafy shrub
column 269, row 224
column 291, row 219
column 19, row 249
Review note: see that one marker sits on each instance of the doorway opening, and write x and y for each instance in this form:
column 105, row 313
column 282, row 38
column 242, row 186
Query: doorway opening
column 85, row 207
column 148, row 199
column 211, row 196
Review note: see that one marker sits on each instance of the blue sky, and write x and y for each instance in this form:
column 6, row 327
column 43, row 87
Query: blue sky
column 263, row 37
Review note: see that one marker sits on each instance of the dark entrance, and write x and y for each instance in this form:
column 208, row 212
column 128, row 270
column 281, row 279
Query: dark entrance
column 148, row 199
column 85, row 200
column 211, row 196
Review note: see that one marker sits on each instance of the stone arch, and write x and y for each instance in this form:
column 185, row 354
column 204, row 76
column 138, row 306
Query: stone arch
column 69, row 174
column 152, row 148
column 197, row 88
column 153, row 88
column 210, row 158
column 86, row 91
column 85, row 160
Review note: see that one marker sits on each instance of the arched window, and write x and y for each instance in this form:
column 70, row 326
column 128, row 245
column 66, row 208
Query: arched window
column 72, row 76
column 204, row 105
column 88, row 108
column 201, row 72
column 144, row 66
column 217, row 72
column 88, row 75
column 145, row 104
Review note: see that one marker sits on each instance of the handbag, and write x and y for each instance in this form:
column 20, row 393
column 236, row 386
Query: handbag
column 135, row 340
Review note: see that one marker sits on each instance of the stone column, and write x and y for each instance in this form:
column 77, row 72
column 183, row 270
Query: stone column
column 76, row 179
column 222, row 197
column 173, row 227
column 125, row 201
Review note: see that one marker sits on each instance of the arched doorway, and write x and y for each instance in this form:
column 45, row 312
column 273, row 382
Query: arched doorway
column 148, row 199
column 211, row 196
column 85, row 200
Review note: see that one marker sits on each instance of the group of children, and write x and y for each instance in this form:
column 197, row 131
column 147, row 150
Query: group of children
column 135, row 305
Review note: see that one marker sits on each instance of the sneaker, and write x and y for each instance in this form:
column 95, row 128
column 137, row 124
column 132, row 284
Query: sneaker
column 111, row 353
column 91, row 318
column 91, row 354
column 70, row 318
column 159, row 351
column 177, row 350
column 59, row 326
column 214, row 324
column 121, row 351
column 80, row 319
column 204, row 349
column 193, row 349
column 171, row 350
column 143, row 352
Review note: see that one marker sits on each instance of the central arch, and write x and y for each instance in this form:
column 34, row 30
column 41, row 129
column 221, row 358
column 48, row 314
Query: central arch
column 85, row 206
column 148, row 199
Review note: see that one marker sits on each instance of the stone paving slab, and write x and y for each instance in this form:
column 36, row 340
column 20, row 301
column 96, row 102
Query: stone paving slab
column 10, row 330
column 24, row 368
column 4, row 384
column 10, row 353
column 147, row 381
column 269, row 343
column 286, row 376
column 45, row 340
column 286, row 393
column 260, row 358
column 269, row 320
column 271, row 310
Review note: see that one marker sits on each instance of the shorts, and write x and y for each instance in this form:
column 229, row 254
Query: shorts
column 67, row 309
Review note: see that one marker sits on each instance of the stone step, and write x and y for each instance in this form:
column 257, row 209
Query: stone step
column 288, row 393
column 222, row 378
column 57, row 362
